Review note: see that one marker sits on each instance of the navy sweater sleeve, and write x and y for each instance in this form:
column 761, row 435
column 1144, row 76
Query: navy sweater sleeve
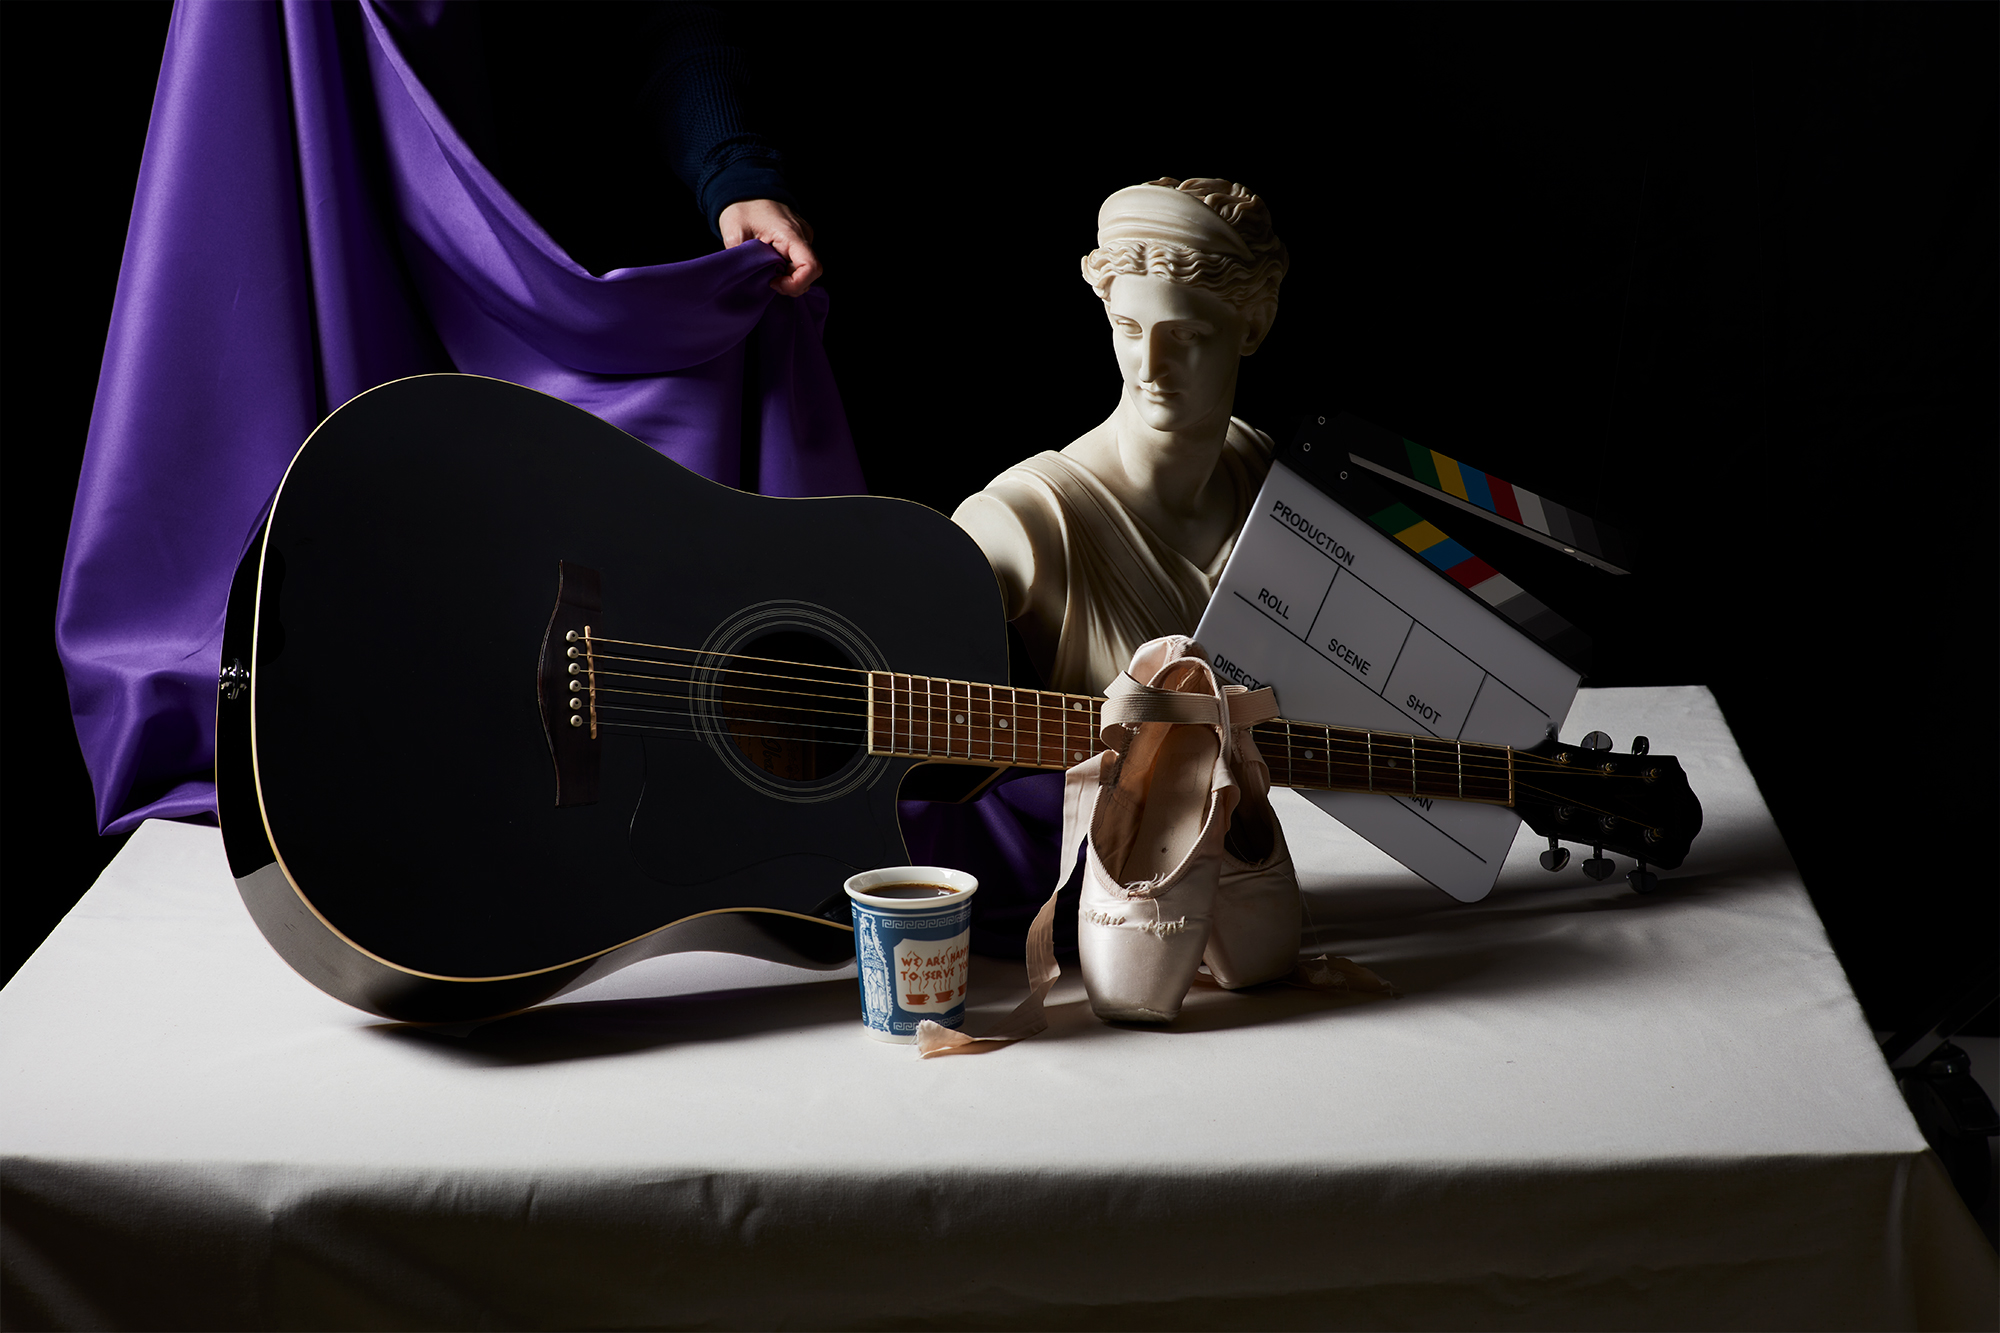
column 693, row 97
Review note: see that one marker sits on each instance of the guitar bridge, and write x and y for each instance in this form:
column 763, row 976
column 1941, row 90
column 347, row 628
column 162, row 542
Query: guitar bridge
column 567, row 684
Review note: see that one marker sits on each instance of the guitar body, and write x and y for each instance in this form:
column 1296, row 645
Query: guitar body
column 388, row 783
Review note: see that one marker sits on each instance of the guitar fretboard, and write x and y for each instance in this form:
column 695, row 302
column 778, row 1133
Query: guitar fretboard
column 969, row 722
column 1430, row 768
column 930, row 718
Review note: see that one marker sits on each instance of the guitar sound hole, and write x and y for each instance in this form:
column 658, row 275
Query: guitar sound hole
column 798, row 715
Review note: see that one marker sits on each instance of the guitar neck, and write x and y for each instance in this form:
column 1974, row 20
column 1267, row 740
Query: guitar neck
column 967, row 722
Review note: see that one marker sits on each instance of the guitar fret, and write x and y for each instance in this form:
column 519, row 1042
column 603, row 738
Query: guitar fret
column 874, row 722
column 892, row 747
column 890, row 685
column 899, row 704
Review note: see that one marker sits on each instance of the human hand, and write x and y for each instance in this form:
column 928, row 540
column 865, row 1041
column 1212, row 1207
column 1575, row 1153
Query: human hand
column 790, row 235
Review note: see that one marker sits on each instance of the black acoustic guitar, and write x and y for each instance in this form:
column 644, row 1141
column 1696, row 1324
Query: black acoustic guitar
column 510, row 701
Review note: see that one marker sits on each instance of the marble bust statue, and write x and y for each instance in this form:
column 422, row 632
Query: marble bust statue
column 1120, row 537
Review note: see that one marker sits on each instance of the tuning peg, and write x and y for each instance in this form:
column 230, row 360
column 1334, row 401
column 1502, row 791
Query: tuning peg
column 1643, row 880
column 1640, row 745
column 1597, row 740
column 1556, row 857
column 1599, row 867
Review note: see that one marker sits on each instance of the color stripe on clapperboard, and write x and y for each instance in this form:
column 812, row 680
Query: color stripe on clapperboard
column 1551, row 523
column 1467, row 570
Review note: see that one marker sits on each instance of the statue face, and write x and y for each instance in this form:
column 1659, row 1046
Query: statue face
column 1178, row 347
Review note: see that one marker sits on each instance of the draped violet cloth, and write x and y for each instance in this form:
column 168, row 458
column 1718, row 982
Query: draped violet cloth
column 307, row 225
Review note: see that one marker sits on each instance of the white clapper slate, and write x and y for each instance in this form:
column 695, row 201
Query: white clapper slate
column 1352, row 628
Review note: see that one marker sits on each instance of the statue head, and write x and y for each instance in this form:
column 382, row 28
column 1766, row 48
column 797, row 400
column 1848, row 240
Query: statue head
column 1189, row 274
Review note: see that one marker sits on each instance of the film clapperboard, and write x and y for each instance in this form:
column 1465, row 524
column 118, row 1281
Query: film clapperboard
column 1361, row 613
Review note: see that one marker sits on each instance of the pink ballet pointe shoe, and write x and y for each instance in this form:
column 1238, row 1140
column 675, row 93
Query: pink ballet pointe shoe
column 1163, row 801
column 1255, row 929
column 1161, row 877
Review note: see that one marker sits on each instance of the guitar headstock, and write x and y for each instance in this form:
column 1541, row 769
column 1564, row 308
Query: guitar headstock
column 1637, row 804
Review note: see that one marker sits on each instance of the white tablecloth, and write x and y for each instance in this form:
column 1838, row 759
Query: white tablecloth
column 1589, row 1109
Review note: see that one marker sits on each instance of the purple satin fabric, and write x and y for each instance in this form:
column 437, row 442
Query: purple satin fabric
column 308, row 225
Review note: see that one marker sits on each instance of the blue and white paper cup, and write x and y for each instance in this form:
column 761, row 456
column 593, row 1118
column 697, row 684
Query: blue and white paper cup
column 912, row 947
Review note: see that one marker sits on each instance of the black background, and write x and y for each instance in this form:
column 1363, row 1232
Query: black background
column 1721, row 275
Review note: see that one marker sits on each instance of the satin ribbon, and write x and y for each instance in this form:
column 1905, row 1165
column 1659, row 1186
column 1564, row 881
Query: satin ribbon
column 1130, row 703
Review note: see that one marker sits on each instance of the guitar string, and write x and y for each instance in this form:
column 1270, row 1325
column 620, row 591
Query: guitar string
column 1440, row 771
column 730, row 694
column 735, row 694
column 1520, row 755
column 726, row 695
column 737, row 671
column 752, row 729
column 738, row 726
column 1444, row 767
column 1522, row 759
column 1037, row 698
column 1447, row 770
column 751, row 734
column 748, row 728
column 1043, row 701
column 614, row 724
column 916, row 711
column 1430, row 768
column 818, row 666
